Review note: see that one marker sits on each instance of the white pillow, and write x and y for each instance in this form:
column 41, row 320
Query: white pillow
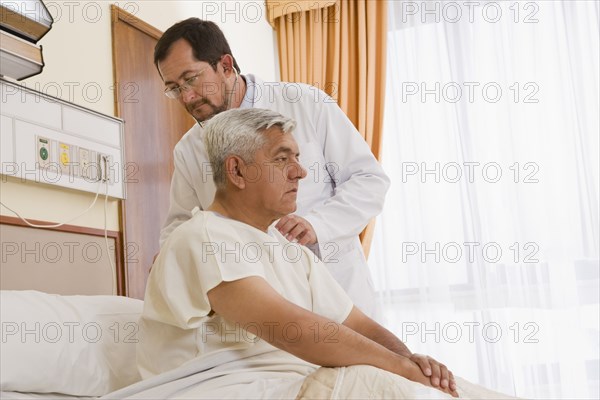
column 77, row 345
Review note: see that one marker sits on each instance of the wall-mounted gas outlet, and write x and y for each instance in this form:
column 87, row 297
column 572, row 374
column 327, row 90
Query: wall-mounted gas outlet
column 43, row 152
column 64, row 158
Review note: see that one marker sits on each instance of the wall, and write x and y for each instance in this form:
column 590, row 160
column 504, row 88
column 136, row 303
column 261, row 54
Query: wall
column 78, row 56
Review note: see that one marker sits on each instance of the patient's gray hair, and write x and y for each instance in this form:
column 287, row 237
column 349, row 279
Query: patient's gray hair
column 239, row 132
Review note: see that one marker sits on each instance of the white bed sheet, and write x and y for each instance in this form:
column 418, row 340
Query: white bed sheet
column 45, row 396
column 200, row 379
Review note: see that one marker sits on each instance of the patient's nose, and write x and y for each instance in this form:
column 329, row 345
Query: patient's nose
column 296, row 171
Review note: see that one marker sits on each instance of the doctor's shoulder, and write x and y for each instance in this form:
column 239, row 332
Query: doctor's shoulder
column 192, row 136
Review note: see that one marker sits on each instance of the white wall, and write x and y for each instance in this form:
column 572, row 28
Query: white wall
column 244, row 22
column 78, row 56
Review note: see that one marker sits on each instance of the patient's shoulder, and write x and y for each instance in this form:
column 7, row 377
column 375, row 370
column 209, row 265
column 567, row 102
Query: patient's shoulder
column 209, row 226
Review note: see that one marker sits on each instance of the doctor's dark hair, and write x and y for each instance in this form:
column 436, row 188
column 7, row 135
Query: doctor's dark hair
column 206, row 38
column 239, row 132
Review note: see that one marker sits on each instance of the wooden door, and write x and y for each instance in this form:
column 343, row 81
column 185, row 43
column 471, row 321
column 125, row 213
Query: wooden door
column 153, row 125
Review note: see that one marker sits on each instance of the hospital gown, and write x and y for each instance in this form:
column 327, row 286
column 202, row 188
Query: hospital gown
column 177, row 325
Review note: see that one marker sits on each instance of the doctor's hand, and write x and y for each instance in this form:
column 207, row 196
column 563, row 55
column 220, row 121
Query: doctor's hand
column 297, row 228
column 439, row 375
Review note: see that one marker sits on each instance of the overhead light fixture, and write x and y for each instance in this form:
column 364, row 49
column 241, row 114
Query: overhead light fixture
column 22, row 24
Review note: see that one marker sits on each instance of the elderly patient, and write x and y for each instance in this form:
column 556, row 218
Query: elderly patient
column 259, row 313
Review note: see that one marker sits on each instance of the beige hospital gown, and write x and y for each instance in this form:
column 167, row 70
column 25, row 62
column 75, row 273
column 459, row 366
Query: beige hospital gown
column 177, row 327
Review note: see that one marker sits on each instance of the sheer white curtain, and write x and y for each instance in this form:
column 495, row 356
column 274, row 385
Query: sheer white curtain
column 486, row 254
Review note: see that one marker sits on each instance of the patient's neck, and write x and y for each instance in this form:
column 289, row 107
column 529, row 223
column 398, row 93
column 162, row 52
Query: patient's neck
column 237, row 209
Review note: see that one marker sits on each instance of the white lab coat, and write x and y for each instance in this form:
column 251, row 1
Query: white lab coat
column 345, row 186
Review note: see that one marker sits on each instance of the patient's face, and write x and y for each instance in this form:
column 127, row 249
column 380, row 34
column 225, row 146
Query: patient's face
column 274, row 176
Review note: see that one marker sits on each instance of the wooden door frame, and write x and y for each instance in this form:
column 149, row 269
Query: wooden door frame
column 118, row 15
column 146, row 144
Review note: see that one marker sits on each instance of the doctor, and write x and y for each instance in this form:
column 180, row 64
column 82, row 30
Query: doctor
column 345, row 186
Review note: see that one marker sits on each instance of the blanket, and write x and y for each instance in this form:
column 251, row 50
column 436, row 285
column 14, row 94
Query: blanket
column 366, row 382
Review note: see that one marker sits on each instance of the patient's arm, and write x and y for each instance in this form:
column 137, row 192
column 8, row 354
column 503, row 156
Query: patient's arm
column 364, row 325
column 437, row 372
column 253, row 302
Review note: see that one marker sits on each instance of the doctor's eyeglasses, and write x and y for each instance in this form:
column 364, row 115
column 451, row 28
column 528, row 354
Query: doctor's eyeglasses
column 189, row 83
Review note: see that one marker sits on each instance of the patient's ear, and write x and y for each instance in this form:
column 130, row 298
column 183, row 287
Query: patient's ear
column 234, row 171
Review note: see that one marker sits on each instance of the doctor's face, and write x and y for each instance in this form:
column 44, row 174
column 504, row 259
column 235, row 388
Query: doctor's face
column 273, row 177
column 201, row 89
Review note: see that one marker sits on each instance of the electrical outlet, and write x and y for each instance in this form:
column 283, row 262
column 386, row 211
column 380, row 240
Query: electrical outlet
column 101, row 167
column 85, row 169
column 106, row 168
column 110, row 171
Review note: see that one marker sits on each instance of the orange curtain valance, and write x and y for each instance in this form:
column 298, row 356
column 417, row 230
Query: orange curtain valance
column 278, row 8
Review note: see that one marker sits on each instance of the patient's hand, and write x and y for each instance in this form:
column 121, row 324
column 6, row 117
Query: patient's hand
column 297, row 228
column 414, row 373
column 439, row 375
